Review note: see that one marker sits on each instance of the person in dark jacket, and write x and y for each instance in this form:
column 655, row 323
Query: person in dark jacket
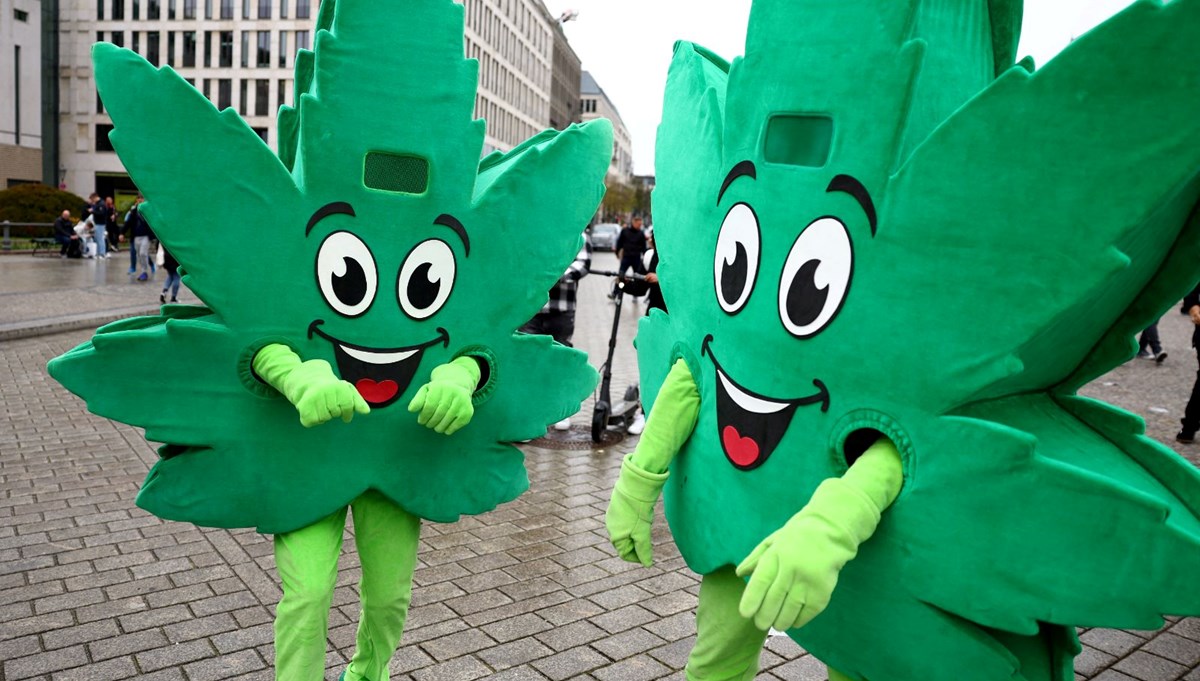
column 64, row 232
column 140, row 234
column 99, row 213
column 631, row 244
column 1191, row 413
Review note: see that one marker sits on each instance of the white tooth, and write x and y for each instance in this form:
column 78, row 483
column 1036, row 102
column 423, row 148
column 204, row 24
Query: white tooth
column 378, row 357
column 749, row 402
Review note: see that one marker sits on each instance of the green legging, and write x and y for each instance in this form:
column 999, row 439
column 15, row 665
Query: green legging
column 386, row 537
column 727, row 645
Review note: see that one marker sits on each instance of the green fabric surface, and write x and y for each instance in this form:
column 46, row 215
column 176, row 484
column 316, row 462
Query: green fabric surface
column 1019, row 231
column 270, row 246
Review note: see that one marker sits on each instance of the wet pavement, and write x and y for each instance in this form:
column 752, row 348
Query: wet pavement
column 93, row 588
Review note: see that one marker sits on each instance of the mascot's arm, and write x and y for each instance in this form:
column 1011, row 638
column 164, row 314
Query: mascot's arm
column 644, row 471
column 796, row 568
column 444, row 402
column 310, row 386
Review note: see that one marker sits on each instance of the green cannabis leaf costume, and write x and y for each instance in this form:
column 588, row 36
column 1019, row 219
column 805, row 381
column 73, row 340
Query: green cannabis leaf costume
column 874, row 223
column 374, row 240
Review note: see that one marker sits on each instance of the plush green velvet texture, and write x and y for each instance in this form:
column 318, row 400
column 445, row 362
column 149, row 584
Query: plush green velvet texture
column 975, row 248
column 295, row 249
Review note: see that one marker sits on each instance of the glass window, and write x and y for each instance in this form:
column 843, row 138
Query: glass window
column 261, row 132
column 303, row 9
column 226, row 9
column 301, row 40
column 242, row 83
column 118, row 10
column 118, row 38
column 189, row 9
column 283, row 9
column 281, row 93
column 171, row 10
column 224, row 93
column 153, row 9
column 137, row 9
column 189, row 49
column 137, row 38
column 208, row 49
column 152, row 41
column 208, row 9
column 171, row 48
column 207, row 90
column 102, row 141
column 262, row 95
column 245, row 49
column 99, row 104
column 246, row 8
column 226, row 49
column 282, row 49
column 264, row 9
column 264, row 49
column 100, row 11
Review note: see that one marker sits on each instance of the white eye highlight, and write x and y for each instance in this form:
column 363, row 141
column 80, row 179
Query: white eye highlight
column 426, row 279
column 816, row 277
column 735, row 267
column 346, row 274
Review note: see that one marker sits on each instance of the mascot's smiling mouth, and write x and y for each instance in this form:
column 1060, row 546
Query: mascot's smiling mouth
column 751, row 425
column 380, row 375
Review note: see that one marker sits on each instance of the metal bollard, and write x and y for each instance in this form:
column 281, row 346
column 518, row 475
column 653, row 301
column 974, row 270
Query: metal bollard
column 6, row 245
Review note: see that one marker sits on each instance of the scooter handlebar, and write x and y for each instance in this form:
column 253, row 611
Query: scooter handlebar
column 633, row 276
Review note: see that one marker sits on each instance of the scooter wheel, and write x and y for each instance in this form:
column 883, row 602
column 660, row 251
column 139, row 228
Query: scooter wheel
column 599, row 421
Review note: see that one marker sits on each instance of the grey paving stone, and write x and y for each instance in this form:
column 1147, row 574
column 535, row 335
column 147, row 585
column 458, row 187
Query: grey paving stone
column 640, row 668
column 459, row 669
column 513, row 653
column 127, row 644
column 225, row 667
column 44, row 663
column 174, row 654
column 628, row 644
column 455, row 645
column 109, row 670
column 516, row 627
column 1112, row 641
column 1147, row 667
column 1185, row 651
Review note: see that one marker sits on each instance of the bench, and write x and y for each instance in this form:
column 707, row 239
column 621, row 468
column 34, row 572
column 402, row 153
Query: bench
column 49, row 244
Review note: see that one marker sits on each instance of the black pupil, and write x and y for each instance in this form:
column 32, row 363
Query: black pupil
column 351, row 287
column 733, row 275
column 422, row 291
column 804, row 300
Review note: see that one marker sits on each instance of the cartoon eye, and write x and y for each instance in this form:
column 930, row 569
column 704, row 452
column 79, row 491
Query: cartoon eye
column 426, row 278
column 736, row 263
column 346, row 274
column 815, row 277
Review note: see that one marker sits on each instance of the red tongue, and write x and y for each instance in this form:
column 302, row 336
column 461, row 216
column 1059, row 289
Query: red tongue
column 743, row 451
column 378, row 393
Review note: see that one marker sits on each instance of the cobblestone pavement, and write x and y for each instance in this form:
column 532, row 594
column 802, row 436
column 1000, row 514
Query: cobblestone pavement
column 92, row 588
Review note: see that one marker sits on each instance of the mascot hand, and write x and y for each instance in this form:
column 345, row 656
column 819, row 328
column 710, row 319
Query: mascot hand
column 795, row 569
column 310, row 386
column 444, row 402
column 631, row 512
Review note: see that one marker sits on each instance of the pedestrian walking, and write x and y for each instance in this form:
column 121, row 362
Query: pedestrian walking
column 631, row 244
column 140, row 234
column 99, row 214
column 1149, row 345
column 171, row 265
column 1191, row 413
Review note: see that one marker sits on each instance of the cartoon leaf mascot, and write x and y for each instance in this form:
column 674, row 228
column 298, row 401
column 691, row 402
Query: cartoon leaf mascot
column 891, row 257
column 373, row 264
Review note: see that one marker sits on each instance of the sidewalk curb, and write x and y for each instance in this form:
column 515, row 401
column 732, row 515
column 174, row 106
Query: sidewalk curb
column 74, row 322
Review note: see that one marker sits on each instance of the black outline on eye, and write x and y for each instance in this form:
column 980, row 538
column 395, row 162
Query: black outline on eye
column 321, row 289
column 753, row 281
column 447, row 220
column 849, row 279
column 400, row 273
column 744, row 168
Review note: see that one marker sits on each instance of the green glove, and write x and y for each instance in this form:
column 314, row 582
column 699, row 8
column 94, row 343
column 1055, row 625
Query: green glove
column 796, row 568
column 644, row 472
column 445, row 401
column 310, row 386
column 631, row 511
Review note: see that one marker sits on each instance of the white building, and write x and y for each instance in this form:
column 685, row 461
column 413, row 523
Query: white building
column 241, row 54
column 594, row 103
column 20, row 92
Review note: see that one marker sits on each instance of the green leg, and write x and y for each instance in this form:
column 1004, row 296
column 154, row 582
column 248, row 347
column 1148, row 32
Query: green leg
column 307, row 563
column 386, row 536
column 835, row 675
column 727, row 645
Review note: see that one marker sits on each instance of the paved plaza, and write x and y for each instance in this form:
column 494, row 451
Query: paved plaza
column 94, row 589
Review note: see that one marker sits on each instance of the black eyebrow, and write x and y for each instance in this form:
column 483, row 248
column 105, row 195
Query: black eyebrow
column 744, row 168
column 851, row 186
column 335, row 208
column 450, row 221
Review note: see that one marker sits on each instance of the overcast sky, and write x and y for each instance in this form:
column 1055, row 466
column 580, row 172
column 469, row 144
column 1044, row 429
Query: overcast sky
column 626, row 44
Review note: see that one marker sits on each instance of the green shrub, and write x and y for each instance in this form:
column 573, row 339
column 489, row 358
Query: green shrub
column 36, row 203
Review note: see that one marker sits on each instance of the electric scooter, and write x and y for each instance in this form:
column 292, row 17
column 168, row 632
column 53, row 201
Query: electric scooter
column 606, row 414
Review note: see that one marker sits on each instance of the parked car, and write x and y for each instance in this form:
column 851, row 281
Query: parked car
column 604, row 236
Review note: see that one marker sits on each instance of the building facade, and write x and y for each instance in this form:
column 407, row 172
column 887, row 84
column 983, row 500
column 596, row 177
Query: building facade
column 21, row 81
column 594, row 103
column 241, row 54
column 564, row 89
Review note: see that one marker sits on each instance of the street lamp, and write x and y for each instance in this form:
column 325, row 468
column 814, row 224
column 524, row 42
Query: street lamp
column 62, row 177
